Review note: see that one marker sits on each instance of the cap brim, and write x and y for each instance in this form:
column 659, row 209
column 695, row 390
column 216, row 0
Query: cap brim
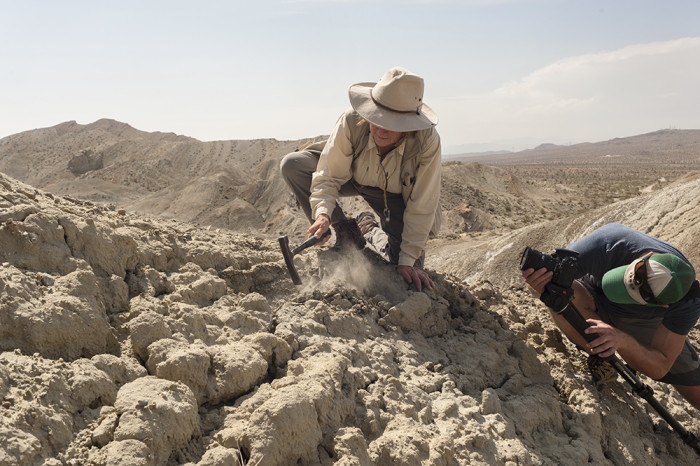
column 614, row 286
column 362, row 102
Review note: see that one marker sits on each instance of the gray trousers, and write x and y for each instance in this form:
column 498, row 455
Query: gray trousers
column 297, row 169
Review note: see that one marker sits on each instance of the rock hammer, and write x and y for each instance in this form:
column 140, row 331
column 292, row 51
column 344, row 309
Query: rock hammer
column 290, row 253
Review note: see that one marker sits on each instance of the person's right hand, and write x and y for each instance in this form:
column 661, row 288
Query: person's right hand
column 537, row 279
column 320, row 226
column 609, row 340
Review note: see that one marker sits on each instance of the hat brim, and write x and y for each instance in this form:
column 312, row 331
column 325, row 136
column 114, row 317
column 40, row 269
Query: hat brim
column 361, row 101
column 614, row 288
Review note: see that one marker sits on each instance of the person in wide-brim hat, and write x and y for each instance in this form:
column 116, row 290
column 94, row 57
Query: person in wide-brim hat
column 394, row 103
column 386, row 150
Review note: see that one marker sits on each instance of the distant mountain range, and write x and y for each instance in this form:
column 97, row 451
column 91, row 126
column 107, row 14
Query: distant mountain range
column 674, row 145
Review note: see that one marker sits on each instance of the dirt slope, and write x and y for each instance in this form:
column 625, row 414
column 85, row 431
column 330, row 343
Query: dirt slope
column 180, row 339
column 146, row 341
column 671, row 214
column 231, row 184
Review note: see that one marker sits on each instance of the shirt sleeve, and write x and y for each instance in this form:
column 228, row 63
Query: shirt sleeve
column 604, row 249
column 681, row 317
column 423, row 202
column 334, row 169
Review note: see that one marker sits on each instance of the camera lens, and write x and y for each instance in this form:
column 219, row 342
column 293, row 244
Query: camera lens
column 534, row 259
column 528, row 260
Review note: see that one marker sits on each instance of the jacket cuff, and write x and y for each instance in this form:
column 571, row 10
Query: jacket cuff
column 405, row 259
column 321, row 210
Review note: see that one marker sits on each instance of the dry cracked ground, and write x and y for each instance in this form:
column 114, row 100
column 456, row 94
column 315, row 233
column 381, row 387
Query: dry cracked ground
column 129, row 340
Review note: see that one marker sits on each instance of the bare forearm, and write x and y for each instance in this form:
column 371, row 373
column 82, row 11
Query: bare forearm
column 654, row 360
column 648, row 361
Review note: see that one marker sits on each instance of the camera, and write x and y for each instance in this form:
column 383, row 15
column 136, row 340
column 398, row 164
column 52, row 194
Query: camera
column 563, row 265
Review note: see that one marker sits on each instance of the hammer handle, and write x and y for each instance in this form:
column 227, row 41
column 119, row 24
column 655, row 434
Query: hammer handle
column 310, row 242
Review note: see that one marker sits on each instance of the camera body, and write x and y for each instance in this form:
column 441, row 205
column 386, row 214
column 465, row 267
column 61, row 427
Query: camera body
column 563, row 265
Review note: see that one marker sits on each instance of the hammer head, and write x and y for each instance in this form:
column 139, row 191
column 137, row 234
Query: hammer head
column 289, row 259
column 289, row 253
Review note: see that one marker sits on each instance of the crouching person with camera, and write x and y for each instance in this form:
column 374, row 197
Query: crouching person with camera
column 638, row 296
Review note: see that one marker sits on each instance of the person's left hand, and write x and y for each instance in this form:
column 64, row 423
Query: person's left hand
column 610, row 339
column 536, row 280
column 415, row 275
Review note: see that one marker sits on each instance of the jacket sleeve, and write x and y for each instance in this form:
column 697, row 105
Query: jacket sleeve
column 423, row 201
column 334, row 169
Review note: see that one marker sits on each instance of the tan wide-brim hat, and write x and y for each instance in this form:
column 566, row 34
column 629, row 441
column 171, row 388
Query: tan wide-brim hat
column 394, row 103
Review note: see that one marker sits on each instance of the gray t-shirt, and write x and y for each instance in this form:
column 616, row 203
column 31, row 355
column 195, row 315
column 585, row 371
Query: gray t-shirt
column 615, row 245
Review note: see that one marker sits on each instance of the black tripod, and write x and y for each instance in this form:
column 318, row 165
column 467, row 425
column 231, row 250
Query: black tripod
column 572, row 315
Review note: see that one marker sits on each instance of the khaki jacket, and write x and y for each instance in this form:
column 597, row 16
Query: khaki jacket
column 412, row 169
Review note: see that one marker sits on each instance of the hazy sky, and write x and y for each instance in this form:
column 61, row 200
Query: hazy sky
column 500, row 73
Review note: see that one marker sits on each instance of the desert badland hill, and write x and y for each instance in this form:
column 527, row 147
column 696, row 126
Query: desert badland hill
column 147, row 316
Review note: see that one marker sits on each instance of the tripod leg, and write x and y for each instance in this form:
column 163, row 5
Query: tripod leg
column 574, row 317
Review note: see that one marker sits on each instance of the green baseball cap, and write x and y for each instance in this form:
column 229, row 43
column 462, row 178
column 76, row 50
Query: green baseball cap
column 654, row 279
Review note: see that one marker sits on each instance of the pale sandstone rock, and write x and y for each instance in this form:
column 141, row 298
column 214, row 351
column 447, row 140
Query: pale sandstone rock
column 160, row 413
column 104, row 432
column 236, row 369
column 68, row 320
column 128, row 452
column 177, row 361
column 221, row 456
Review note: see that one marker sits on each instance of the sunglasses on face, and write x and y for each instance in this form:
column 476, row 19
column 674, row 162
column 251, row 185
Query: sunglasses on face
column 640, row 280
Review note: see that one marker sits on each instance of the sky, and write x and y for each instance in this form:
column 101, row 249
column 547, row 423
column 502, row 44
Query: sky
column 501, row 74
